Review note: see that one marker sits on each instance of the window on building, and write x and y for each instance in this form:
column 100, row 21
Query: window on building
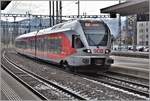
column 146, row 29
column 147, row 36
column 141, row 31
column 141, row 24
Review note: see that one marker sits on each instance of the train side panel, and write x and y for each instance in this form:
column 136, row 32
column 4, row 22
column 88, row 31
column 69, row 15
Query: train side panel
column 53, row 47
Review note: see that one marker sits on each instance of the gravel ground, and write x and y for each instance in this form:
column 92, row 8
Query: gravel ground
column 45, row 89
column 141, row 88
column 91, row 89
column 129, row 78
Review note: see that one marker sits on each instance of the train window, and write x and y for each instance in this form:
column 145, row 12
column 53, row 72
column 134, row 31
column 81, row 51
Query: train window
column 58, row 44
column 42, row 44
column 33, row 44
column 28, row 46
column 50, row 49
column 23, row 44
column 76, row 42
column 54, row 45
column 37, row 44
column 20, row 44
column 96, row 33
column 46, row 44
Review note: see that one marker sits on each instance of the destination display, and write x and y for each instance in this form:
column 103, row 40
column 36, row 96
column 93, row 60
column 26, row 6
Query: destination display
column 91, row 24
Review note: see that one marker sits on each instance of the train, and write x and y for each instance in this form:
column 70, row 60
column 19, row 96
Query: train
column 76, row 45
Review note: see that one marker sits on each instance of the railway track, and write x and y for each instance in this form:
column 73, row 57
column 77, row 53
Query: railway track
column 125, row 76
column 91, row 78
column 24, row 83
column 126, row 85
column 37, row 84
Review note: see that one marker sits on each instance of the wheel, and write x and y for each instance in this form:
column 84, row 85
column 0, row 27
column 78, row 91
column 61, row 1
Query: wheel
column 66, row 66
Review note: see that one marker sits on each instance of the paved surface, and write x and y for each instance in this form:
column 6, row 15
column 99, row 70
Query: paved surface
column 131, row 62
column 131, row 52
column 11, row 89
column 3, row 96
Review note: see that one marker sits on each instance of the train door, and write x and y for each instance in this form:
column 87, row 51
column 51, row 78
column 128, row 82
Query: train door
column 42, row 47
column 37, row 46
column 77, row 44
column 45, row 47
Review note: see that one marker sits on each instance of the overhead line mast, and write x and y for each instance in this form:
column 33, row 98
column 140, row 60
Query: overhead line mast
column 50, row 20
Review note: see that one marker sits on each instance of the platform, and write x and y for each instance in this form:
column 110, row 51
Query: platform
column 11, row 89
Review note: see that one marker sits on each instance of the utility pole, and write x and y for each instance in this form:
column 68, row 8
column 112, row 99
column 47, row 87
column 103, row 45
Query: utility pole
column 78, row 2
column 40, row 25
column 14, row 30
column 50, row 20
column 7, row 32
column 60, row 10
column 29, row 22
column 78, row 8
column 56, row 12
column 119, row 30
column 53, row 13
column 135, row 32
column 127, row 32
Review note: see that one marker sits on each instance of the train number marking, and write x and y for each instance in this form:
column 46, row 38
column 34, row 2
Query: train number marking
column 98, row 50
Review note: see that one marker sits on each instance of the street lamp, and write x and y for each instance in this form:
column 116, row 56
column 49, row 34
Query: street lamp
column 78, row 2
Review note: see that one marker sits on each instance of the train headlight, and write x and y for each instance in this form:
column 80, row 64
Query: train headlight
column 87, row 50
column 107, row 51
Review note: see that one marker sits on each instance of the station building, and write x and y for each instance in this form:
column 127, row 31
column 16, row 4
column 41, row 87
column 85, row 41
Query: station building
column 142, row 33
column 137, row 13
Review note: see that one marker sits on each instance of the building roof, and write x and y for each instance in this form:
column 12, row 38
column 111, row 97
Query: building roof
column 128, row 8
column 4, row 4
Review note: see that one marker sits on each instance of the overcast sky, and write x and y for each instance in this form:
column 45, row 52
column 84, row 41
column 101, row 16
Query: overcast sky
column 68, row 7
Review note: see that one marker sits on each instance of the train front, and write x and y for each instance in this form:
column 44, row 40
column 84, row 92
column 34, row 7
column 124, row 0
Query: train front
column 93, row 44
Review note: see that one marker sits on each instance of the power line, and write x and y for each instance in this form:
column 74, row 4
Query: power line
column 64, row 16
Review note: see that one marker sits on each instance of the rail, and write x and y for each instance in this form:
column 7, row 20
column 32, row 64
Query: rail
column 118, row 83
column 55, row 85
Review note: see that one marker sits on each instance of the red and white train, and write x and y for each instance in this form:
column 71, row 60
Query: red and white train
column 76, row 45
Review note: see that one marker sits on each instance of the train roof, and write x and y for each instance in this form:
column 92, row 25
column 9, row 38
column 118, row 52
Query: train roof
column 33, row 33
column 52, row 29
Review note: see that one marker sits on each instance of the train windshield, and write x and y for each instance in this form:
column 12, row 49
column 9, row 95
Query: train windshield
column 95, row 32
